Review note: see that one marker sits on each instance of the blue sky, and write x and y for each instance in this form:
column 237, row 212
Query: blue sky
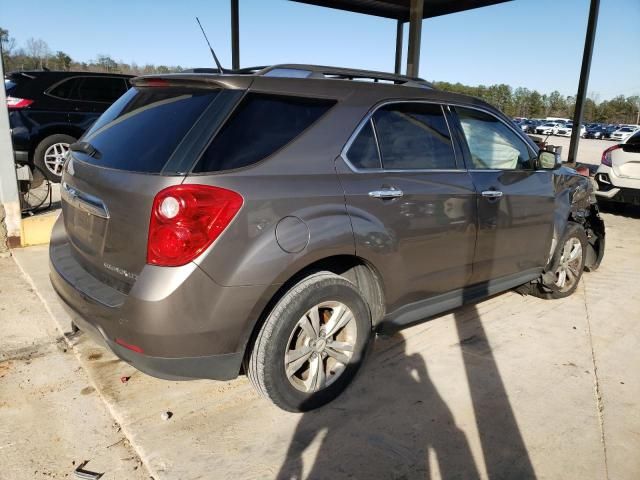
column 530, row 43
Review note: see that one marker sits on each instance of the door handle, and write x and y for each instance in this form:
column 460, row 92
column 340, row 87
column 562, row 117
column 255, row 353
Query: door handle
column 491, row 194
column 386, row 193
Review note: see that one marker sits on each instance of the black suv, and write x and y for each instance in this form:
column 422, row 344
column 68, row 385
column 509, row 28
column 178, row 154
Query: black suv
column 50, row 110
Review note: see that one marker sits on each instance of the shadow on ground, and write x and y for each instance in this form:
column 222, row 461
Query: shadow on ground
column 394, row 424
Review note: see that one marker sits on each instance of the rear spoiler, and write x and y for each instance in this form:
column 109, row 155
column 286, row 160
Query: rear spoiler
column 194, row 80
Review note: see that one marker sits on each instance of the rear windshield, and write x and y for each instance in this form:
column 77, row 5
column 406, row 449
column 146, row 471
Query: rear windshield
column 140, row 131
column 260, row 125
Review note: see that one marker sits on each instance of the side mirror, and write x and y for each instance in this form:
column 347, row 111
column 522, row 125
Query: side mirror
column 548, row 160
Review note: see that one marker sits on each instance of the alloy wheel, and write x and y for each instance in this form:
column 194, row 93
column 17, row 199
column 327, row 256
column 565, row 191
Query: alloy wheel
column 320, row 346
column 54, row 157
column 568, row 271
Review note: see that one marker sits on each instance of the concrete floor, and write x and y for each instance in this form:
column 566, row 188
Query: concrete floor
column 513, row 387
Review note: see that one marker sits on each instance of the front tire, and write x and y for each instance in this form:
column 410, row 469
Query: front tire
column 49, row 155
column 569, row 260
column 311, row 344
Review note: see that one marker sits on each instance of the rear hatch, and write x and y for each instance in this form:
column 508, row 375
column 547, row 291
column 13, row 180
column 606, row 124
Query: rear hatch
column 625, row 160
column 144, row 142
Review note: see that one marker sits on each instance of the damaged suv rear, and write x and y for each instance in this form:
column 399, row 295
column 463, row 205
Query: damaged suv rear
column 269, row 222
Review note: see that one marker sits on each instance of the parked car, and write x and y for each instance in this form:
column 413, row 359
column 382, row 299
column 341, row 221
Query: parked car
column 623, row 133
column 50, row 110
column 549, row 128
column 595, row 131
column 567, row 129
column 618, row 176
column 269, row 223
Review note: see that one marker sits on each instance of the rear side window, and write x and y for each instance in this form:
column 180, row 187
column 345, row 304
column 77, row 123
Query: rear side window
column 101, row 89
column 66, row 89
column 90, row 89
column 414, row 136
column 259, row 126
column 140, row 131
column 363, row 152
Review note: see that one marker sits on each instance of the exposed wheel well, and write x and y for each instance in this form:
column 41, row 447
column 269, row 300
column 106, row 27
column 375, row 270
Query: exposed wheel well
column 353, row 268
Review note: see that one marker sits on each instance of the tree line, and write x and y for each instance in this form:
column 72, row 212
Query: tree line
column 515, row 102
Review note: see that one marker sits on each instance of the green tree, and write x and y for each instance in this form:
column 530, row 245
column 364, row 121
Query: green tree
column 62, row 60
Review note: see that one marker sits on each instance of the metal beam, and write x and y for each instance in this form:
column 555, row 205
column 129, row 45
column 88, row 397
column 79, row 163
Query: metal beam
column 399, row 31
column 235, row 35
column 584, row 79
column 415, row 34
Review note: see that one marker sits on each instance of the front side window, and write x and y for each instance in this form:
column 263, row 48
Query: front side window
column 492, row 144
column 260, row 125
column 414, row 136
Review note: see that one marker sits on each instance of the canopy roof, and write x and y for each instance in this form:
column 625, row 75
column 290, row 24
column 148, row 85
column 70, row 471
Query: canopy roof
column 399, row 9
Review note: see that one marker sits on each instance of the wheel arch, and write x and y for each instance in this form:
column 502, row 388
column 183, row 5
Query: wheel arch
column 59, row 129
column 355, row 269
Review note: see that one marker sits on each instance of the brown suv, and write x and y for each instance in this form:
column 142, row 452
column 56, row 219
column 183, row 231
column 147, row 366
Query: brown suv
column 269, row 221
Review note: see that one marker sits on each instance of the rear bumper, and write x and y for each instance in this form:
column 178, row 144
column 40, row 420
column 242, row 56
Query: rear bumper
column 180, row 323
column 617, row 189
column 215, row 367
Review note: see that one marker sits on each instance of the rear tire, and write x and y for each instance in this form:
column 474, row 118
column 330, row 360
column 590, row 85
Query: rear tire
column 49, row 155
column 570, row 257
column 311, row 344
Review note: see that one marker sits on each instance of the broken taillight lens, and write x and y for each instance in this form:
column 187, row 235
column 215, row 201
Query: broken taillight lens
column 186, row 219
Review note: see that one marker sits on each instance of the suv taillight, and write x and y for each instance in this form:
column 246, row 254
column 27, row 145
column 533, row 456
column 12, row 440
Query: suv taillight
column 186, row 219
column 14, row 103
column 606, row 155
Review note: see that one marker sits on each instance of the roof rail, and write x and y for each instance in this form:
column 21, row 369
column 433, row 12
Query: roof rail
column 295, row 70
column 322, row 71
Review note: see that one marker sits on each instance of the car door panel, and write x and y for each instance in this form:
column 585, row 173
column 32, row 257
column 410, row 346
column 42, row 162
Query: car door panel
column 423, row 237
column 515, row 202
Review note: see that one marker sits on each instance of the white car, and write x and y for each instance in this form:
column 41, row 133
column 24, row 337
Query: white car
column 618, row 175
column 623, row 133
column 566, row 130
column 549, row 128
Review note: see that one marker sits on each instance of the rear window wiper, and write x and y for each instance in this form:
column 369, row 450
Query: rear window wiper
column 86, row 148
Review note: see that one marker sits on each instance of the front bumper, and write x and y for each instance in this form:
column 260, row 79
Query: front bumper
column 180, row 323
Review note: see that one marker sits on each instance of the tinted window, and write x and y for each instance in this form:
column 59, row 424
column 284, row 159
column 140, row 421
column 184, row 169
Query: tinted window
column 259, row 126
column 414, row 136
column 100, row 89
column 491, row 143
column 140, row 131
column 66, row 89
column 634, row 139
column 363, row 152
column 92, row 89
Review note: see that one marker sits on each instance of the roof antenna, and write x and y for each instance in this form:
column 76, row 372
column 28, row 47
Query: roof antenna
column 215, row 58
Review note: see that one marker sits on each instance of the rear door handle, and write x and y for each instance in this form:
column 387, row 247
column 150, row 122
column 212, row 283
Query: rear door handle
column 386, row 193
column 491, row 194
